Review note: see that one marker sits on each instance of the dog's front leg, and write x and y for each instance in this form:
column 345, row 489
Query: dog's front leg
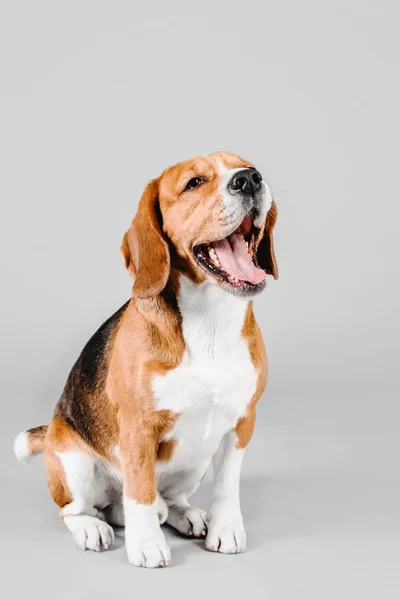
column 225, row 523
column 144, row 540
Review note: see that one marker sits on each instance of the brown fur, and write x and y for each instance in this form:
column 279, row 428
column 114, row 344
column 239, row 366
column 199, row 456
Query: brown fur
column 166, row 450
column 36, row 437
column 60, row 438
column 144, row 246
column 155, row 325
column 265, row 253
column 253, row 336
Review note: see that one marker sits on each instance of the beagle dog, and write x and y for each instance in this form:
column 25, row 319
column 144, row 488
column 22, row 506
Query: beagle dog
column 170, row 382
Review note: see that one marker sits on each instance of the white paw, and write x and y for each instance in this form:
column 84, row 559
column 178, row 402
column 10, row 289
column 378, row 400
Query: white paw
column 93, row 534
column 188, row 520
column 162, row 509
column 228, row 539
column 149, row 553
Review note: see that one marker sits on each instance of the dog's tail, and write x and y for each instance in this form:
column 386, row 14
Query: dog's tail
column 29, row 443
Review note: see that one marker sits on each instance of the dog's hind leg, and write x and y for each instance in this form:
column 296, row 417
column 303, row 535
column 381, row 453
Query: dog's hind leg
column 79, row 487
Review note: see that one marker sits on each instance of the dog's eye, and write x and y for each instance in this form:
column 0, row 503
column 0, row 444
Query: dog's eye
column 194, row 183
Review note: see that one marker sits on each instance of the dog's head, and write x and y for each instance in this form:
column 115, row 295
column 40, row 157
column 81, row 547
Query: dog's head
column 210, row 218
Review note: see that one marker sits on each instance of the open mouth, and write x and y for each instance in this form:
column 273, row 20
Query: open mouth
column 234, row 259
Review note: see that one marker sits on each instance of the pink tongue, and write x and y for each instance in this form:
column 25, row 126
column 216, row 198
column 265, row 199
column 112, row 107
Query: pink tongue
column 236, row 261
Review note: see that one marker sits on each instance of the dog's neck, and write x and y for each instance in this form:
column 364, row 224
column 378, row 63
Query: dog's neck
column 208, row 318
column 210, row 315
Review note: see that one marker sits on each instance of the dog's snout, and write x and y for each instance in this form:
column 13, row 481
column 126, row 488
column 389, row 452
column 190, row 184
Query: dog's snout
column 248, row 181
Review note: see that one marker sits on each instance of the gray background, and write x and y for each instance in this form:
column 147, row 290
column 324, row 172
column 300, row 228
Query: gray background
column 96, row 99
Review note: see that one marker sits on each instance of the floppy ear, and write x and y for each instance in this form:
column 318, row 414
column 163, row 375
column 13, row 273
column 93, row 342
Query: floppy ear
column 144, row 249
column 265, row 252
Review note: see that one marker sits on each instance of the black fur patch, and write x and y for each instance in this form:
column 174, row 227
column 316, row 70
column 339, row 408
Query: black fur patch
column 87, row 378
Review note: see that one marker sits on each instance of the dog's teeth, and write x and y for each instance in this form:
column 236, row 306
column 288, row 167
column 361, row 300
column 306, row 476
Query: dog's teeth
column 214, row 257
column 247, row 243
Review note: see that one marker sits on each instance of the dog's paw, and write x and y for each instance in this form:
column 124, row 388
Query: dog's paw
column 93, row 534
column 149, row 553
column 228, row 539
column 188, row 520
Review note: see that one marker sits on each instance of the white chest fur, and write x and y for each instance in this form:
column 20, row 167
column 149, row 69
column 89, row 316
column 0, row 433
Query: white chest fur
column 216, row 379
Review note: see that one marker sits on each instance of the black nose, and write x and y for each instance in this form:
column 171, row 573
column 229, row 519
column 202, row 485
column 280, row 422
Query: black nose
column 247, row 181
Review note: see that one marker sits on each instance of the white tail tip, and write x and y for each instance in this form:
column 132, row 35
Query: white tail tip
column 21, row 448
